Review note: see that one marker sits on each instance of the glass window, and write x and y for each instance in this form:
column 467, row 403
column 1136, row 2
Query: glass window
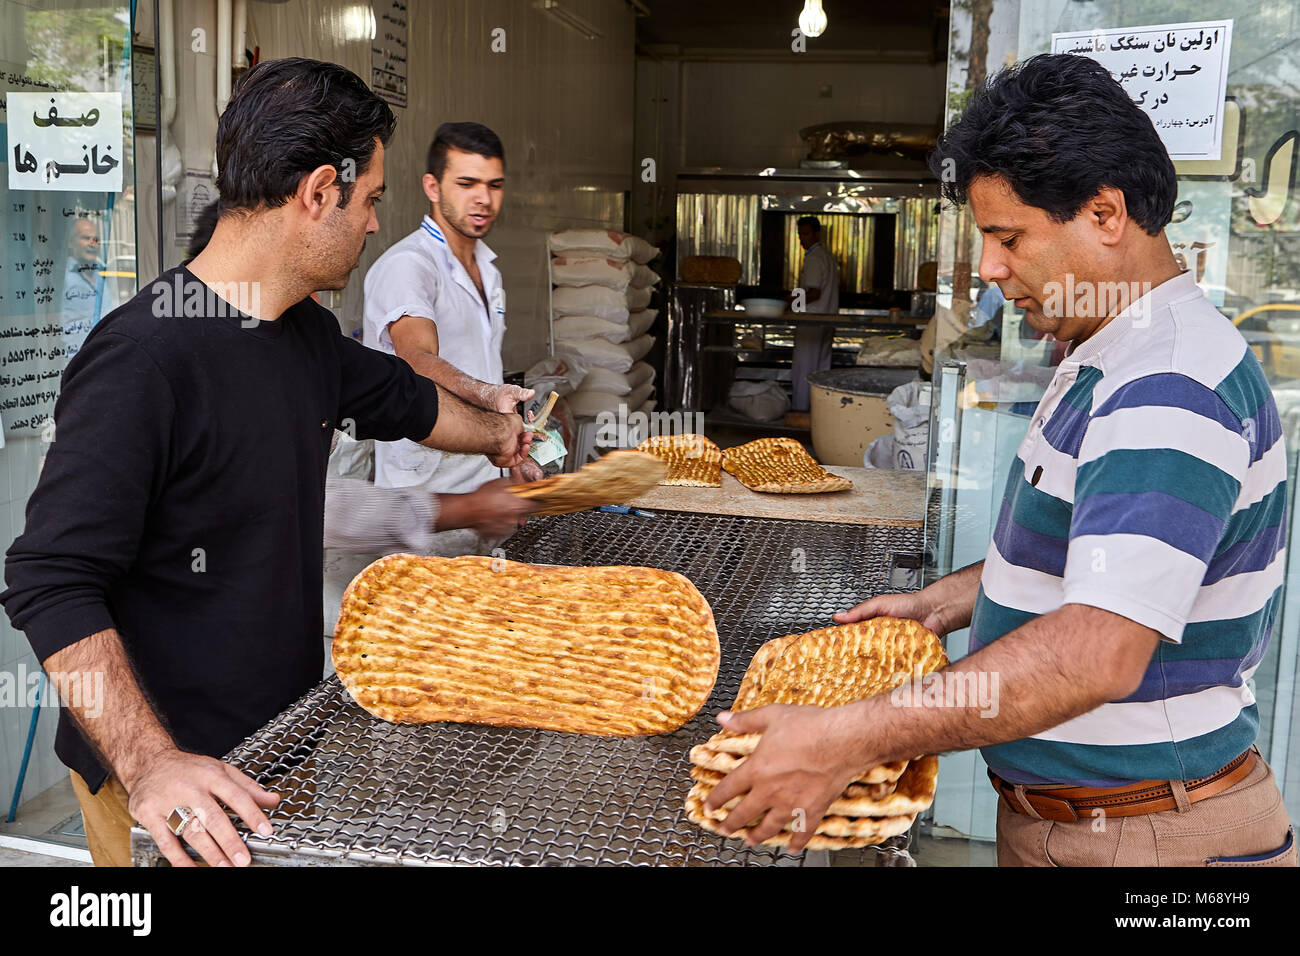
column 69, row 239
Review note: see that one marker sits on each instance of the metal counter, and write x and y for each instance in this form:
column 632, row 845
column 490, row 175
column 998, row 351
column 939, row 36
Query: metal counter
column 357, row 790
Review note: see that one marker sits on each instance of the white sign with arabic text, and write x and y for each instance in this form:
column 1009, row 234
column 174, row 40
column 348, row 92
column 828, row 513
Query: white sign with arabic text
column 1177, row 72
column 65, row 141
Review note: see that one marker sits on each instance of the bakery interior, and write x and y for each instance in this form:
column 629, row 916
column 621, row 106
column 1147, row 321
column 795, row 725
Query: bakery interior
column 707, row 131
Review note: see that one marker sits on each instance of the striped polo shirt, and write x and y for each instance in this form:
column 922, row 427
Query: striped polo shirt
column 1152, row 483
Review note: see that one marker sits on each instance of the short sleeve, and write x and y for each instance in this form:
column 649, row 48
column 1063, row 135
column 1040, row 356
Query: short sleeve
column 400, row 283
column 382, row 397
column 1161, row 466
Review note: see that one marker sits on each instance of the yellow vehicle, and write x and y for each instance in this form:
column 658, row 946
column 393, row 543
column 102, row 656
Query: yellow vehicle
column 1273, row 332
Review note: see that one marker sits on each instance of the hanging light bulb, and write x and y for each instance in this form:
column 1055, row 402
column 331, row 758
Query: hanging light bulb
column 812, row 19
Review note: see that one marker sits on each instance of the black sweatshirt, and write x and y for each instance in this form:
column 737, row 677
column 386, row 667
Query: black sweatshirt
column 182, row 502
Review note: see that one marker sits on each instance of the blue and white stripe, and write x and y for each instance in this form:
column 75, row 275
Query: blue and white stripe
column 1161, row 496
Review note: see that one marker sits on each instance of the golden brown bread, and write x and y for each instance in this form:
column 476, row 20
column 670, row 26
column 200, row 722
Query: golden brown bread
column 613, row 479
column 911, row 793
column 833, row 833
column 838, row 665
column 711, row 756
column 611, row 651
column 830, row 667
column 692, row 459
column 782, row 466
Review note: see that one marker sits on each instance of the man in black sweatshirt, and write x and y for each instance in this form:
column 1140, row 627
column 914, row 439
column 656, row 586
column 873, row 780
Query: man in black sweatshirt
column 172, row 550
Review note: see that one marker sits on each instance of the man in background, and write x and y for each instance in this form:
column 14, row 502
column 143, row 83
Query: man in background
column 820, row 281
column 435, row 299
column 81, row 297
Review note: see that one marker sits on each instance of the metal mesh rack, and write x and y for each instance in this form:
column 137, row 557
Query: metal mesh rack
column 358, row 790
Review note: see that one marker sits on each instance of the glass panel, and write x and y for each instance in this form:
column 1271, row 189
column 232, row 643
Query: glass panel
column 69, row 248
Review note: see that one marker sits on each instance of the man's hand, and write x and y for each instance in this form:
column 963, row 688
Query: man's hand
column 464, row 427
column 944, row 606
column 803, row 762
column 491, row 510
column 514, row 443
column 173, row 779
column 914, row 606
column 415, row 340
column 504, row 398
column 528, row 471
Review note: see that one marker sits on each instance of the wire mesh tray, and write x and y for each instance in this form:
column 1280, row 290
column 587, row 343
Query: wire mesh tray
column 358, row 790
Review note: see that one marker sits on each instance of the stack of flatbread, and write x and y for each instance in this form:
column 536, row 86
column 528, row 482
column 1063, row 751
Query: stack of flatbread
column 827, row 668
column 780, row 465
column 692, row 460
column 612, row 479
column 610, row 651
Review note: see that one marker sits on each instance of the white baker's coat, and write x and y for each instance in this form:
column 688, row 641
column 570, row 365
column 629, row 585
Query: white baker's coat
column 419, row 276
column 820, row 272
column 812, row 343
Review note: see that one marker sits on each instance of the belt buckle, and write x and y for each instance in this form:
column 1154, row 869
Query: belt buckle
column 1052, row 808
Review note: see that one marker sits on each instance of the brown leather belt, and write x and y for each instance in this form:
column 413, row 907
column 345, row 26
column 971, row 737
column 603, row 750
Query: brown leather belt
column 1067, row 804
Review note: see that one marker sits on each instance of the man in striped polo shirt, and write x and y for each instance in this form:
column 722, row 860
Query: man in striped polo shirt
column 1136, row 568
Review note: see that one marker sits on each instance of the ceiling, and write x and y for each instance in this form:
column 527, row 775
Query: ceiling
column 764, row 26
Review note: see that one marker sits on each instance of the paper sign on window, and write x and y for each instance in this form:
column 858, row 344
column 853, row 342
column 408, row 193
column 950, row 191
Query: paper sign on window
column 1177, row 72
column 65, row 141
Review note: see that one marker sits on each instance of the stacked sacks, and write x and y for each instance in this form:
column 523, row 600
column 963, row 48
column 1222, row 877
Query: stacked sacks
column 601, row 317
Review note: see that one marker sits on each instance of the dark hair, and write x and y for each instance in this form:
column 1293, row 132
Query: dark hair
column 288, row 117
column 205, row 224
column 812, row 221
column 1058, row 128
column 466, row 137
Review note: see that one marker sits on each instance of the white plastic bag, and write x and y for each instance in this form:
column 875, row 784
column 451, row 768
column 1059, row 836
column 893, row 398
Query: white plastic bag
column 910, row 406
column 560, row 375
column 760, row 401
column 880, row 454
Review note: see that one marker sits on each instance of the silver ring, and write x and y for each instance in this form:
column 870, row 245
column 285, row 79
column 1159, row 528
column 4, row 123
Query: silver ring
column 179, row 819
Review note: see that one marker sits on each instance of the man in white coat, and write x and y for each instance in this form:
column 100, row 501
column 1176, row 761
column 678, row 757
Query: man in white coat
column 435, row 300
column 820, row 281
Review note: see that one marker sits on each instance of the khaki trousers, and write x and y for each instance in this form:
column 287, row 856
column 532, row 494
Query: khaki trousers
column 1246, row 820
column 107, row 820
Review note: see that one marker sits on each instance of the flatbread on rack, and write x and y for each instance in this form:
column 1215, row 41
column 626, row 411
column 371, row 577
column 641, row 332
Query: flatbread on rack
column 693, row 460
column 613, row 479
column 610, row 651
column 780, row 466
